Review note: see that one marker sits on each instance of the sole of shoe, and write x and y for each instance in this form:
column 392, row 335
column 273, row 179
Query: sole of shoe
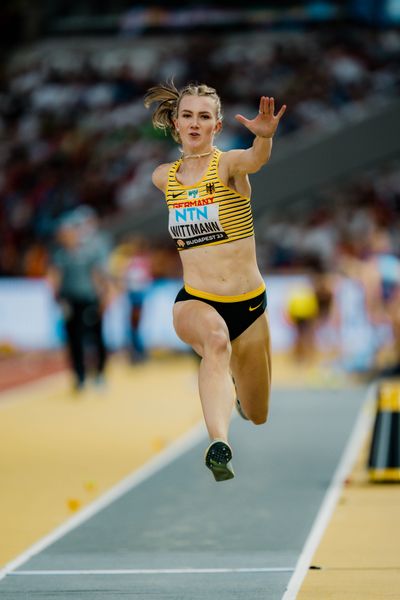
column 222, row 472
column 218, row 459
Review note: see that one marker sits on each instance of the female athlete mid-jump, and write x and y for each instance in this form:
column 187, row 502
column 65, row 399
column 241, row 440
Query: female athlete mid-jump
column 220, row 311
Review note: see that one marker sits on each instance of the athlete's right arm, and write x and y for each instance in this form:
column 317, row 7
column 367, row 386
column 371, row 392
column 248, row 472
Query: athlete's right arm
column 160, row 176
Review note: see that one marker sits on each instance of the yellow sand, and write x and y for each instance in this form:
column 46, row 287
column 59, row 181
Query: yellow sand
column 360, row 551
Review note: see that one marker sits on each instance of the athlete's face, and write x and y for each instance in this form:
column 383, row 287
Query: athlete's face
column 197, row 121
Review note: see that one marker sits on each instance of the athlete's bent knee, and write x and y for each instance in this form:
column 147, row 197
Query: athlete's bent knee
column 258, row 417
column 217, row 342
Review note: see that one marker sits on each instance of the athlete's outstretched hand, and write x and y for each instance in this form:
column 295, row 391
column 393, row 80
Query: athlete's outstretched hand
column 265, row 123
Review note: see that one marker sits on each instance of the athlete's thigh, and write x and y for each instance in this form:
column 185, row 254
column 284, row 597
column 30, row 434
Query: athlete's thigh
column 251, row 365
column 194, row 321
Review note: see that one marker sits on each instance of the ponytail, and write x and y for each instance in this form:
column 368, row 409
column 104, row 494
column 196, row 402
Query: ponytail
column 169, row 97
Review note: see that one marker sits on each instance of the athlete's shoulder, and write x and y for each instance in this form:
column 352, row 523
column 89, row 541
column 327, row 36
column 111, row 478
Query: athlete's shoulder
column 228, row 162
column 230, row 155
column 160, row 176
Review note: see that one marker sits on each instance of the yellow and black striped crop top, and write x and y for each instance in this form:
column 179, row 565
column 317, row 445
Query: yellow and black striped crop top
column 208, row 212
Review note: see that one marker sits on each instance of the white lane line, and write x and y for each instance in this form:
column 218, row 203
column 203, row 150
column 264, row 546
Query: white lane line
column 361, row 428
column 164, row 458
column 184, row 571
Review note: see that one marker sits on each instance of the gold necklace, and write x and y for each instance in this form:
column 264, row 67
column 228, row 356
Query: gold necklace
column 196, row 155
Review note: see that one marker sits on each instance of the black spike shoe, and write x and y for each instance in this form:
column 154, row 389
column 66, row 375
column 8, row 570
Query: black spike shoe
column 218, row 458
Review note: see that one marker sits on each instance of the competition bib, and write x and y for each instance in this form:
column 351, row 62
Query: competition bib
column 195, row 222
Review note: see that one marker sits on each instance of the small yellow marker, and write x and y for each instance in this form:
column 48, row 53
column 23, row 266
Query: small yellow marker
column 158, row 443
column 73, row 504
column 90, row 486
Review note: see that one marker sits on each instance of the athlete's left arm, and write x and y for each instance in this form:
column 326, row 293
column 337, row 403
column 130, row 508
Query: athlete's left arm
column 263, row 126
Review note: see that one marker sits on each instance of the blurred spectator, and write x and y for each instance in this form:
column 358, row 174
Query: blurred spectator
column 131, row 265
column 302, row 310
column 138, row 278
column 79, row 279
column 387, row 265
column 36, row 260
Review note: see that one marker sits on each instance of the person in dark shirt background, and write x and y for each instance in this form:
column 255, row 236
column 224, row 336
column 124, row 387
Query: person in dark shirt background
column 78, row 276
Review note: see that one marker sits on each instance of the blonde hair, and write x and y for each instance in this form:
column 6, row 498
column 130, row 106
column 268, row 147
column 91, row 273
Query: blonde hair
column 169, row 98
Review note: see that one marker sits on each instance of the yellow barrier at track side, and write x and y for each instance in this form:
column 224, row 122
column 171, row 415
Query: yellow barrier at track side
column 384, row 474
column 389, row 397
column 384, row 457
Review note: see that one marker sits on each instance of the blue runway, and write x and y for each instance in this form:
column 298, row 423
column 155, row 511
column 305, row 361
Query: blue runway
column 179, row 535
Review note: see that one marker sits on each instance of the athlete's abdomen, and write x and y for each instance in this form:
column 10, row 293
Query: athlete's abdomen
column 227, row 269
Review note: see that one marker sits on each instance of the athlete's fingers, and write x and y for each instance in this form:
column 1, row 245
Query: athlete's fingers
column 241, row 119
column 271, row 106
column 282, row 110
column 262, row 110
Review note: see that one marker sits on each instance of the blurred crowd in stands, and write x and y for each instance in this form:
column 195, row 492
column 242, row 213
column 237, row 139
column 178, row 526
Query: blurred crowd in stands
column 78, row 147
column 341, row 221
column 352, row 231
column 74, row 130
